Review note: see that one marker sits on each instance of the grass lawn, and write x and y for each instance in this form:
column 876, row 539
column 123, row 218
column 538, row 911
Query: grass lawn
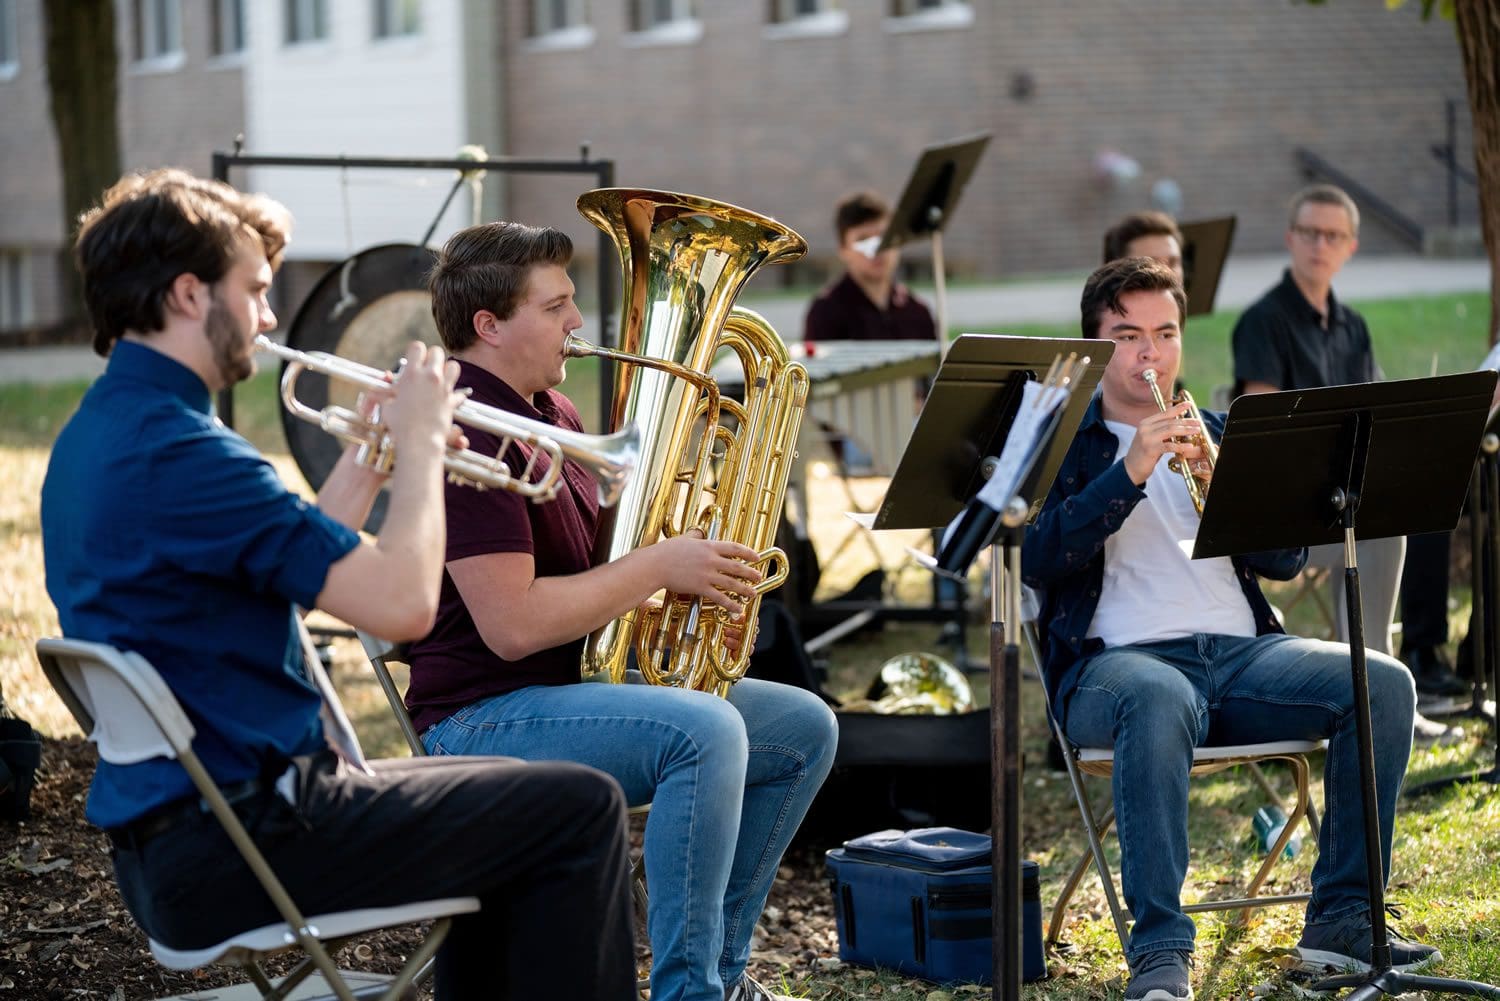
column 1447, row 855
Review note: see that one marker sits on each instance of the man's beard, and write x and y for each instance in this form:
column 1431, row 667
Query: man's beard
column 233, row 356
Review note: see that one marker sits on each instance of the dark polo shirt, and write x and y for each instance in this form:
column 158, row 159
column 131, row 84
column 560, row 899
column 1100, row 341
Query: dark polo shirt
column 1281, row 339
column 452, row 667
column 842, row 312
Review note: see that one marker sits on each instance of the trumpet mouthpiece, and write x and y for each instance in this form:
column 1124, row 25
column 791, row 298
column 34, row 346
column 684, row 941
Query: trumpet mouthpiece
column 1149, row 375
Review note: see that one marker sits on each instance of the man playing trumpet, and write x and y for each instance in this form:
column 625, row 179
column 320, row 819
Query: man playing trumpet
column 728, row 780
column 167, row 535
column 1154, row 653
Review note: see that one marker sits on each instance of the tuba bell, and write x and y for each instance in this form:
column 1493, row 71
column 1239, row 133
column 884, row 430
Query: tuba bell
column 710, row 463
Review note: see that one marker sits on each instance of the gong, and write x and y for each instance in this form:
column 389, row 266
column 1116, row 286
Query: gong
column 366, row 309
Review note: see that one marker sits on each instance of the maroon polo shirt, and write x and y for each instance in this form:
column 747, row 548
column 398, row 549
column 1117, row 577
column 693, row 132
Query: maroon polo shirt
column 452, row 667
column 842, row 312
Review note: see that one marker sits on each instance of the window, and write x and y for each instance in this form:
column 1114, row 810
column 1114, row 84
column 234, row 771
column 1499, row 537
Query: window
column 790, row 10
column 227, row 27
column 15, row 290
column 10, row 58
column 395, row 18
column 306, row 21
column 648, row 14
column 805, row 19
column 663, row 22
column 548, row 16
column 157, row 26
column 926, row 15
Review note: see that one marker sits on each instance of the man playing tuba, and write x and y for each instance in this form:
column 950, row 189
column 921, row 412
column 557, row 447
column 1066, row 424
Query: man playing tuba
column 1154, row 653
column 728, row 779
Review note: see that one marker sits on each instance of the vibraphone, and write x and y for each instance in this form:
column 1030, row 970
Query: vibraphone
column 868, row 391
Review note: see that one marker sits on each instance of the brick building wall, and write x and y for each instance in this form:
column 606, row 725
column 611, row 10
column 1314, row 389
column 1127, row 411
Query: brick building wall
column 175, row 114
column 1213, row 94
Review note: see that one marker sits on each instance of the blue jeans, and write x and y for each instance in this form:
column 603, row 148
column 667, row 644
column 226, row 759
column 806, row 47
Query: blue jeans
column 728, row 780
column 1155, row 702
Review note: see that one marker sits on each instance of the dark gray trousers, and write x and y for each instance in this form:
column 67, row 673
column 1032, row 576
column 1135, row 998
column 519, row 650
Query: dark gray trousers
column 542, row 845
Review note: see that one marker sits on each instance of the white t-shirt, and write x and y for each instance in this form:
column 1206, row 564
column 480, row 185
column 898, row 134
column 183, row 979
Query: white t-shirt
column 1153, row 589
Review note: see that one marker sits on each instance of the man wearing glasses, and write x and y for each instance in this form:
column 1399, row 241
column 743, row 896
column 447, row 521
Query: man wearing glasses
column 1299, row 336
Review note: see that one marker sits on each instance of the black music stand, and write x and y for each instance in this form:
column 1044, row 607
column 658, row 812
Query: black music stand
column 962, row 430
column 1484, row 622
column 1358, row 450
column 1205, row 247
column 927, row 204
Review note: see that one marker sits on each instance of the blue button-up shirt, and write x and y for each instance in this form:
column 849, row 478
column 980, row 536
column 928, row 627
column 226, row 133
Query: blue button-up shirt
column 1062, row 555
column 167, row 534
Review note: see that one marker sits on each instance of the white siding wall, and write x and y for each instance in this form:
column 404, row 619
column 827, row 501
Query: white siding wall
column 354, row 95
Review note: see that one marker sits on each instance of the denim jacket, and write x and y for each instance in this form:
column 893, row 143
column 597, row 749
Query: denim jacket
column 1062, row 556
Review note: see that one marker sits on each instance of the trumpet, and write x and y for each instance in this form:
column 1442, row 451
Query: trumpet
column 1197, row 486
column 610, row 459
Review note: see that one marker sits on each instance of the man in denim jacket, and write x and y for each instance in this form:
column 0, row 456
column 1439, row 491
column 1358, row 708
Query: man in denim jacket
column 1154, row 653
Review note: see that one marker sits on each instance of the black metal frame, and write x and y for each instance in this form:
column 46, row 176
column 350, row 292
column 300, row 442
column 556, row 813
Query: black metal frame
column 1484, row 619
column 603, row 171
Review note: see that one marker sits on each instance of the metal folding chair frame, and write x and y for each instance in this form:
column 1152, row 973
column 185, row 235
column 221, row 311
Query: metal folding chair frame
column 82, row 672
column 1082, row 761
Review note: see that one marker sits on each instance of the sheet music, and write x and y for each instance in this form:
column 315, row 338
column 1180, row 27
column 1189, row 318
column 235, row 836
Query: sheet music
column 1040, row 402
column 337, row 729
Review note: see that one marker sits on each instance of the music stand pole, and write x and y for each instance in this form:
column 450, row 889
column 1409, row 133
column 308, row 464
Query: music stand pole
column 1005, row 752
column 939, row 281
column 1332, row 431
column 1382, row 979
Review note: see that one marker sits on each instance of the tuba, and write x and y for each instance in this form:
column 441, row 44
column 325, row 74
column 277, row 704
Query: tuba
column 715, row 464
column 1197, row 487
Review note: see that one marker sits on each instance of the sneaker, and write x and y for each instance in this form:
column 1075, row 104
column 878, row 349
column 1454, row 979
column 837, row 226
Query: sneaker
column 1433, row 673
column 1430, row 733
column 749, row 989
column 1336, row 946
column 1160, row 976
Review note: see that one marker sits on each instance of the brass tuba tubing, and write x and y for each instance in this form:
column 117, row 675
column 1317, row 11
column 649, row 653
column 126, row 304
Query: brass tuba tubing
column 1197, row 488
column 683, row 260
column 610, row 459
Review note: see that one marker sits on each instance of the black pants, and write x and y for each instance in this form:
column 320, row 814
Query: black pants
column 1424, row 591
column 542, row 845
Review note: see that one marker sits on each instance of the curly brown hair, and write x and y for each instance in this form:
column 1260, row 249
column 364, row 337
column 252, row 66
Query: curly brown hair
column 149, row 229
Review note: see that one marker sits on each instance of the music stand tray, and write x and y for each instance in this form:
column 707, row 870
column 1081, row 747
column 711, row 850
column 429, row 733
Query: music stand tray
column 1205, row 247
column 927, row 203
column 968, row 411
column 1316, row 466
column 968, row 414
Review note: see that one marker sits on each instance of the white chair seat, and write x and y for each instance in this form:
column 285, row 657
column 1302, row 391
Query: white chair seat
column 1227, row 756
column 339, row 924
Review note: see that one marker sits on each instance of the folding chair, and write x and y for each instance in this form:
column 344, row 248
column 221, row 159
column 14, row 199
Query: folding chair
column 382, row 653
column 1312, row 584
column 1099, row 761
column 126, row 708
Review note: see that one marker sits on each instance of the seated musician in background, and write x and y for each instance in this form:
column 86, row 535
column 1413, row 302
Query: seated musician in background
column 728, row 780
column 1154, row 653
column 1146, row 234
column 1300, row 336
column 866, row 303
column 169, row 535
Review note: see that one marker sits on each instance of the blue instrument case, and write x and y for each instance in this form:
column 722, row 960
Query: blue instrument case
column 919, row 902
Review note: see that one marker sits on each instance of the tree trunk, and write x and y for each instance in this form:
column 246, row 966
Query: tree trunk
column 1479, row 38
column 83, row 81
